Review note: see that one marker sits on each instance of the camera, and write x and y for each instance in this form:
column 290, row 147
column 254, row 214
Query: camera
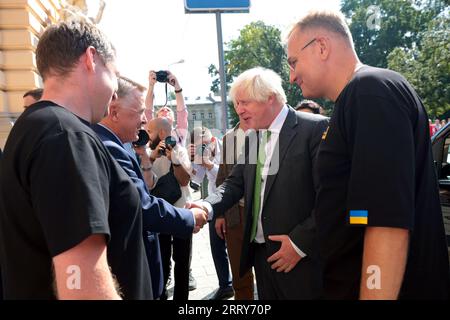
column 142, row 140
column 169, row 141
column 201, row 149
column 161, row 76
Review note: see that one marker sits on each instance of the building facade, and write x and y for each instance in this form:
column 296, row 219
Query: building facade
column 203, row 111
column 21, row 23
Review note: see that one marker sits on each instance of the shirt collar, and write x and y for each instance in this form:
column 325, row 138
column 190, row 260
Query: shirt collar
column 277, row 123
column 115, row 135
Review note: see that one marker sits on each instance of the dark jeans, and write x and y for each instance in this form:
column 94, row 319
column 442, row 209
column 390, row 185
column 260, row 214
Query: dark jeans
column 220, row 256
column 181, row 258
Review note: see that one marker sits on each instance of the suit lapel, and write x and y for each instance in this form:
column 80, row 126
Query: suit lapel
column 250, row 172
column 287, row 133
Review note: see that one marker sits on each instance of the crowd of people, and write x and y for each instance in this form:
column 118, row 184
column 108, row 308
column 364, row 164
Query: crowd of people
column 436, row 125
column 310, row 207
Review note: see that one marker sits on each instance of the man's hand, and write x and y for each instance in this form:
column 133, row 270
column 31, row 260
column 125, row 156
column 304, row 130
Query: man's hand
column 221, row 227
column 169, row 153
column 201, row 217
column 207, row 159
column 152, row 78
column 140, row 150
column 173, row 81
column 159, row 150
column 191, row 151
column 286, row 258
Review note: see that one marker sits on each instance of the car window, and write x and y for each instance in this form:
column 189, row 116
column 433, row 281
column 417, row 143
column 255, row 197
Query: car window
column 445, row 166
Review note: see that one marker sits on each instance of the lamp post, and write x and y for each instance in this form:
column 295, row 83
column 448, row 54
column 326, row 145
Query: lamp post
column 177, row 62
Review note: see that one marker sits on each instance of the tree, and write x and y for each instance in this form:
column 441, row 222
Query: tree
column 258, row 44
column 428, row 68
column 379, row 26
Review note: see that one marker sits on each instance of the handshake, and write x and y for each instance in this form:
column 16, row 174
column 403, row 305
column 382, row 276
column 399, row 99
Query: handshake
column 200, row 215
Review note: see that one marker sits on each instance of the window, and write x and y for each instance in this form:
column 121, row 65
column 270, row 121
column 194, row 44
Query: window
column 203, row 115
column 194, row 116
column 210, row 115
column 445, row 164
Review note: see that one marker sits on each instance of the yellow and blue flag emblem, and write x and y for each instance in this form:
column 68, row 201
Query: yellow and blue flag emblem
column 358, row 216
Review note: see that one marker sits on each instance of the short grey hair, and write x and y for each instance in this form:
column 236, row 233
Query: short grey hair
column 126, row 86
column 258, row 84
column 333, row 21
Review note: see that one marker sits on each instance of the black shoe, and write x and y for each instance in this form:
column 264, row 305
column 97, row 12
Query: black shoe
column 223, row 293
column 192, row 282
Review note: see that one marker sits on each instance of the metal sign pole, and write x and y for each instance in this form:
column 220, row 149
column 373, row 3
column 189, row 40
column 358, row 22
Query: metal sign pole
column 223, row 82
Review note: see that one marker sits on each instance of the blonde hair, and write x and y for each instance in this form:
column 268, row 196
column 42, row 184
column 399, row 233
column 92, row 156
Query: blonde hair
column 333, row 21
column 258, row 84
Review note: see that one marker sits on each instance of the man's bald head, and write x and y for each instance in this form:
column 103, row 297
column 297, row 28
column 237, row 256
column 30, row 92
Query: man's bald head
column 160, row 124
column 326, row 20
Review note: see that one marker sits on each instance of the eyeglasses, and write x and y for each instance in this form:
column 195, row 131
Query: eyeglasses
column 292, row 63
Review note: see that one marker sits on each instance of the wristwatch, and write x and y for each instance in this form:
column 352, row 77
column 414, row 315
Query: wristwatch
column 146, row 168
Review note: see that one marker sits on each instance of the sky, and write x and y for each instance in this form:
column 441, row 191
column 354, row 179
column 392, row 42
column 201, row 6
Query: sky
column 155, row 34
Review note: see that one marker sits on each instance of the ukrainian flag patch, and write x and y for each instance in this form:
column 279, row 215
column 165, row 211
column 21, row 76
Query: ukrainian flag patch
column 358, row 216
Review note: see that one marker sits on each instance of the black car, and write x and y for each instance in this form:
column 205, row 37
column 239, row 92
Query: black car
column 441, row 152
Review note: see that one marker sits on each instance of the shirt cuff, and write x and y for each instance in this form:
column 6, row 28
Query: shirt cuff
column 300, row 252
column 208, row 207
column 193, row 217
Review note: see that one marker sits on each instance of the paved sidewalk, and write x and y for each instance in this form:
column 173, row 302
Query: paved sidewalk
column 202, row 265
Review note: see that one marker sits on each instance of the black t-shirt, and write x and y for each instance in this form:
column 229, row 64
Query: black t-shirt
column 59, row 185
column 376, row 169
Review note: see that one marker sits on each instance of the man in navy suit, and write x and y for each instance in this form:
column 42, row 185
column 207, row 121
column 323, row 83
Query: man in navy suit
column 119, row 128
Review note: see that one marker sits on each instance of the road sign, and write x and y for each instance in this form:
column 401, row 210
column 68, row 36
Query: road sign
column 202, row 6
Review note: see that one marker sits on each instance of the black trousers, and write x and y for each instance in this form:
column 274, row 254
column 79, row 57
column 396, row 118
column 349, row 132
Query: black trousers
column 267, row 289
column 181, row 257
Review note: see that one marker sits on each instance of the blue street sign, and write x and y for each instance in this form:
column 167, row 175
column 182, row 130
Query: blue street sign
column 195, row 6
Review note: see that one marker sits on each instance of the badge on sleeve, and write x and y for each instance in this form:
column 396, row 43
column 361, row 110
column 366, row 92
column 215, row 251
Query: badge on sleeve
column 358, row 217
column 324, row 135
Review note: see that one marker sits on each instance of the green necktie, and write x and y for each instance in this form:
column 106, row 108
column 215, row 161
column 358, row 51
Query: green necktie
column 258, row 181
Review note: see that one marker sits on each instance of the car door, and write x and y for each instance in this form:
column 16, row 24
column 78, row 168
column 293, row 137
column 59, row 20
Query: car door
column 441, row 153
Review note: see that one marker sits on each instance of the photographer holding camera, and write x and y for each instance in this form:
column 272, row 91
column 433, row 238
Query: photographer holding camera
column 179, row 132
column 204, row 154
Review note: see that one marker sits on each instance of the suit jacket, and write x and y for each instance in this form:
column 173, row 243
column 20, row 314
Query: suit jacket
column 158, row 215
column 287, row 207
column 232, row 216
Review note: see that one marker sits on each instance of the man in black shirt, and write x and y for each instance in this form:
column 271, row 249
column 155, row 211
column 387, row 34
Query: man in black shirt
column 378, row 213
column 71, row 220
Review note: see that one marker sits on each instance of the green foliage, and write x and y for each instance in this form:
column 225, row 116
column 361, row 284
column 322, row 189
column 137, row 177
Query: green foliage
column 379, row 26
column 428, row 68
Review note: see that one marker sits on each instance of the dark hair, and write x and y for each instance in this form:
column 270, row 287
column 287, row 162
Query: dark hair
column 61, row 45
column 36, row 93
column 308, row 104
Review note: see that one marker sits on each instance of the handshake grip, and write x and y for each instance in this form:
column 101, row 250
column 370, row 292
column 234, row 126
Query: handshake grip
column 200, row 215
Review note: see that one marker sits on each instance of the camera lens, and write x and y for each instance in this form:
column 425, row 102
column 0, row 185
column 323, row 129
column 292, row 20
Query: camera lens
column 161, row 76
column 142, row 140
column 170, row 141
